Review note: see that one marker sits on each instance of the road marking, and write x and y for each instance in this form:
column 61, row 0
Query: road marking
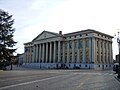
column 7, row 79
column 25, row 83
column 80, row 84
column 83, row 81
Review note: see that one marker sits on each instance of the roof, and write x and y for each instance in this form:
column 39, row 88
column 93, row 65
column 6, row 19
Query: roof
column 27, row 43
column 88, row 31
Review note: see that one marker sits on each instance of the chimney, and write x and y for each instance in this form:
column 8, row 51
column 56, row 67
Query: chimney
column 60, row 32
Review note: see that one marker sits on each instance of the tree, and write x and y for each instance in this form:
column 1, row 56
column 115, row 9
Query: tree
column 6, row 38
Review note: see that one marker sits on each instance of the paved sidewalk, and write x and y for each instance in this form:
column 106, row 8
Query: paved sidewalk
column 15, row 67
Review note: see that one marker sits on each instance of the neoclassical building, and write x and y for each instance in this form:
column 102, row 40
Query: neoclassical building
column 81, row 49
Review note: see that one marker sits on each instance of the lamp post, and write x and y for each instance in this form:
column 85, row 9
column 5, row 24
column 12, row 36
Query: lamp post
column 118, row 41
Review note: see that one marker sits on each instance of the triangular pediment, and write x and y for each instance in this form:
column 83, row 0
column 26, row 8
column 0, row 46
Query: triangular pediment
column 44, row 35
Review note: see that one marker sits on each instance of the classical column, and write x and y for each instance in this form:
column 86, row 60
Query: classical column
column 93, row 49
column 40, row 53
column 110, row 48
column 59, row 53
column 30, row 54
column 33, row 56
column 54, row 51
column 46, row 52
column 103, row 52
column 95, row 54
column 24, row 57
column 36, row 53
column 106, row 52
column 68, row 52
column 83, row 51
column 43, row 51
column 73, row 51
column 90, row 47
column 27, row 55
column 78, row 51
column 50, row 52
column 63, row 57
column 111, row 53
column 99, row 51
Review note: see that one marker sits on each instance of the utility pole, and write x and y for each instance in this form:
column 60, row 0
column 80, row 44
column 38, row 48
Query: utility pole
column 118, row 41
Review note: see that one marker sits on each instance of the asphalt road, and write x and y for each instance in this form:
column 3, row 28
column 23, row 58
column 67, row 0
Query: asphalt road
column 58, row 80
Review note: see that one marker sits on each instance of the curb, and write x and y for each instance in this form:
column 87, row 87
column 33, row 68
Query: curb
column 117, row 78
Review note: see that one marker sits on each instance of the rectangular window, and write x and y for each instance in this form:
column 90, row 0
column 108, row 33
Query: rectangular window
column 70, row 59
column 70, row 44
column 81, row 44
column 87, row 43
column 101, row 44
column 65, row 59
column 105, row 45
column 75, row 44
column 97, row 43
column 65, row 45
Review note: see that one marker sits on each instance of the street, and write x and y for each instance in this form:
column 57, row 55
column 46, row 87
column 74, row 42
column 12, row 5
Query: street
column 33, row 79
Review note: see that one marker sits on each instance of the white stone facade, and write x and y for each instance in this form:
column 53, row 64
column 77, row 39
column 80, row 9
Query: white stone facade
column 83, row 49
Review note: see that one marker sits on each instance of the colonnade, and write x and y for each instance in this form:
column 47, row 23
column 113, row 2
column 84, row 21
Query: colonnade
column 73, row 51
column 61, row 52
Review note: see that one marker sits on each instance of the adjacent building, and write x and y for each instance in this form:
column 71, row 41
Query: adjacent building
column 81, row 49
column 20, row 58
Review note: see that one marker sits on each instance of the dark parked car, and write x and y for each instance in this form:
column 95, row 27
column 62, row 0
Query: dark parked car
column 115, row 67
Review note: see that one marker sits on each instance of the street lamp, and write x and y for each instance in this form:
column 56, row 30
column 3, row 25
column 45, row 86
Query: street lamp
column 118, row 41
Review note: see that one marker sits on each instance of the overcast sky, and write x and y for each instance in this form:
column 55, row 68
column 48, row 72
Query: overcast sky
column 34, row 16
